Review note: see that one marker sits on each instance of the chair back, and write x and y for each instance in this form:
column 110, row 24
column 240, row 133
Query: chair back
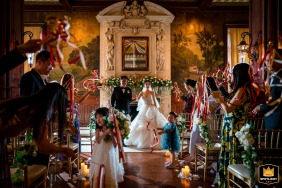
column 269, row 145
column 257, row 123
column 186, row 116
column 214, row 125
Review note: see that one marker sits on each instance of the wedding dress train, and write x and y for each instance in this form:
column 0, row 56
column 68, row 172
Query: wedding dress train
column 142, row 128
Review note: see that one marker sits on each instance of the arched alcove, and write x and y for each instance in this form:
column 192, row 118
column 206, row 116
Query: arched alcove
column 147, row 25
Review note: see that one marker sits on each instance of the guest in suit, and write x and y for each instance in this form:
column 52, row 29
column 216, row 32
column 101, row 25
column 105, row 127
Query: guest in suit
column 121, row 98
column 33, row 81
column 273, row 114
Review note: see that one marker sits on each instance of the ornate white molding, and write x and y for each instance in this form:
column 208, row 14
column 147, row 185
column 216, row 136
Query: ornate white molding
column 146, row 19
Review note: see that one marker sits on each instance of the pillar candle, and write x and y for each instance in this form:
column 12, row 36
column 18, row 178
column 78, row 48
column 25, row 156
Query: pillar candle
column 82, row 169
column 85, row 171
column 183, row 171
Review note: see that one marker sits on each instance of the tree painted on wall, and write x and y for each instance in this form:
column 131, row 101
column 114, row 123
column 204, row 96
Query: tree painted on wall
column 212, row 50
column 91, row 54
column 182, row 58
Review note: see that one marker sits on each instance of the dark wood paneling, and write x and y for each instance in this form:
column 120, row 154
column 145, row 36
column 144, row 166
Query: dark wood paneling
column 12, row 28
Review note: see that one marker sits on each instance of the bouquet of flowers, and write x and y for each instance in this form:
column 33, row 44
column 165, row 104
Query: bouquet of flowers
column 122, row 120
column 204, row 131
column 249, row 156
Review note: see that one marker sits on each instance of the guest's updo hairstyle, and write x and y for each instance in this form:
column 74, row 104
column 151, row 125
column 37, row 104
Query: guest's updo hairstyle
column 104, row 112
column 190, row 82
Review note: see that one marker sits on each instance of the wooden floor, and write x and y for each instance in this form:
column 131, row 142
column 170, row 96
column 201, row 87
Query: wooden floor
column 144, row 170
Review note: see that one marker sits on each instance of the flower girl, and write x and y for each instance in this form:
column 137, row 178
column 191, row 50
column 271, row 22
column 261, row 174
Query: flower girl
column 105, row 153
column 170, row 138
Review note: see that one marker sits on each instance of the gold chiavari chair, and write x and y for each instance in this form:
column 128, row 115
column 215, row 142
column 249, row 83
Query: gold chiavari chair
column 206, row 156
column 269, row 148
column 185, row 135
column 34, row 175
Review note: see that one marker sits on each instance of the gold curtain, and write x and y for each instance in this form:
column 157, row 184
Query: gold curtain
column 234, row 38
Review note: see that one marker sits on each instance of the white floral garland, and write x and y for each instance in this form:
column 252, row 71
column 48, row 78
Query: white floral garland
column 249, row 156
column 204, row 131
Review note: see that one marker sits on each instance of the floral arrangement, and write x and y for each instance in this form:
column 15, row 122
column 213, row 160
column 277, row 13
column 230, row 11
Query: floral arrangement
column 204, row 131
column 249, row 156
column 137, row 83
column 181, row 124
column 122, row 120
column 24, row 156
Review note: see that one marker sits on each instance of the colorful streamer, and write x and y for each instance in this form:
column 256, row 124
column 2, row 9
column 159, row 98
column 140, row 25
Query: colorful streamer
column 61, row 34
column 156, row 139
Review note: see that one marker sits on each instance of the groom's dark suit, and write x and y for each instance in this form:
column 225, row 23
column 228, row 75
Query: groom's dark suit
column 120, row 99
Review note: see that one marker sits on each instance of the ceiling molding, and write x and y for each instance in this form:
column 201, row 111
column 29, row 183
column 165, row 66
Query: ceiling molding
column 173, row 6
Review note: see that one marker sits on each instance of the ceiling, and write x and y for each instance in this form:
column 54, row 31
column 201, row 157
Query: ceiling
column 172, row 5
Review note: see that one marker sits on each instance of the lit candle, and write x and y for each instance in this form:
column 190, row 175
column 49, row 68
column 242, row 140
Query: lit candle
column 183, row 171
column 85, row 171
column 82, row 169
column 167, row 153
column 187, row 171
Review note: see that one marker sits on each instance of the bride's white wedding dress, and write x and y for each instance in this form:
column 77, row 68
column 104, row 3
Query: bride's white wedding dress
column 139, row 134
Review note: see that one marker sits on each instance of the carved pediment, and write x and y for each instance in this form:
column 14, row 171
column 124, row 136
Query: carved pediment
column 123, row 10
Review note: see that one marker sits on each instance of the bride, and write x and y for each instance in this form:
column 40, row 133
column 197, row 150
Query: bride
column 148, row 119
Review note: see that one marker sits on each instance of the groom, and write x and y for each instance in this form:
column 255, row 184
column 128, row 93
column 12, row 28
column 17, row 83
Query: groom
column 121, row 97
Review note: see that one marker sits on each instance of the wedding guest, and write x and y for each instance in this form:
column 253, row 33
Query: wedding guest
column 32, row 82
column 37, row 111
column 189, row 97
column 68, row 83
column 198, row 110
column 273, row 113
column 236, row 110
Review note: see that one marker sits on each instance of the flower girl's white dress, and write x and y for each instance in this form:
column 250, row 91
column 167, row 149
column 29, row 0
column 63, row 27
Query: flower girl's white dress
column 139, row 134
column 106, row 154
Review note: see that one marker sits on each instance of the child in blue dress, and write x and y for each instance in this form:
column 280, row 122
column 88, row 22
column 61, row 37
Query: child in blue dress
column 170, row 138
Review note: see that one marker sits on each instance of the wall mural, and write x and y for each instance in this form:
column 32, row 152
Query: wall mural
column 194, row 50
column 85, row 34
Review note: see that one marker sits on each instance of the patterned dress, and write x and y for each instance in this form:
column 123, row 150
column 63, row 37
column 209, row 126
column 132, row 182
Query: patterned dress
column 230, row 152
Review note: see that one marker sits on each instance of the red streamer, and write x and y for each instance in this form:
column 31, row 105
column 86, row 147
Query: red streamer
column 119, row 141
column 101, row 182
column 60, row 34
column 156, row 139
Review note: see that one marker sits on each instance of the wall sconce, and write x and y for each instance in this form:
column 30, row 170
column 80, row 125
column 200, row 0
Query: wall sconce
column 245, row 49
column 30, row 56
